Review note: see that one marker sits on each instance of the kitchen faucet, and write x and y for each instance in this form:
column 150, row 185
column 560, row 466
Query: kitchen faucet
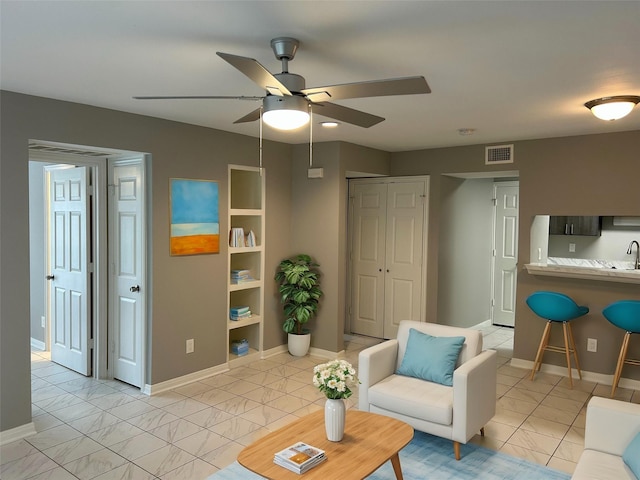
column 636, row 265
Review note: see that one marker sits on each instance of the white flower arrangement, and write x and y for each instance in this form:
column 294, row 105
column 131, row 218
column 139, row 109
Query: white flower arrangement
column 335, row 378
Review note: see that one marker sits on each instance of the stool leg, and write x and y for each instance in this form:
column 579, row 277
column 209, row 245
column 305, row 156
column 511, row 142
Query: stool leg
column 567, row 352
column 623, row 355
column 575, row 351
column 544, row 341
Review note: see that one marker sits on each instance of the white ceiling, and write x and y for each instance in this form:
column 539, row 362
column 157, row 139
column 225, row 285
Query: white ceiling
column 512, row 70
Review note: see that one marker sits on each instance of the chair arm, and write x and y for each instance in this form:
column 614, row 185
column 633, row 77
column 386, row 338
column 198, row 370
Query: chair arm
column 374, row 364
column 611, row 425
column 474, row 395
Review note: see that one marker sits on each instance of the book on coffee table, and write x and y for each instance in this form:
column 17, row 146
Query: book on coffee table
column 299, row 457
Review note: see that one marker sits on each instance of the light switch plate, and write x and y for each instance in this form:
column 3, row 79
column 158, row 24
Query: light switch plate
column 572, row 247
column 592, row 345
column 190, row 345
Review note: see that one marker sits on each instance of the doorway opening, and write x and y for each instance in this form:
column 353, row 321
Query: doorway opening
column 74, row 261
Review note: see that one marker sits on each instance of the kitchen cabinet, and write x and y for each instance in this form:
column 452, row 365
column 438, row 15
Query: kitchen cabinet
column 575, row 225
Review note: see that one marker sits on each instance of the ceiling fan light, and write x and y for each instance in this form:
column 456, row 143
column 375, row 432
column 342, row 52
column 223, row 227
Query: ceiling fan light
column 285, row 113
column 612, row 108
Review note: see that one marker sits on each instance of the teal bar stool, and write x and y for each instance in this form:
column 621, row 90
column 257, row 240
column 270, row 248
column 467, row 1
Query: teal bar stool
column 559, row 308
column 624, row 314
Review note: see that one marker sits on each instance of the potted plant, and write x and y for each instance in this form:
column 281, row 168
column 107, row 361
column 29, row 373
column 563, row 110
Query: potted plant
column 298, row 278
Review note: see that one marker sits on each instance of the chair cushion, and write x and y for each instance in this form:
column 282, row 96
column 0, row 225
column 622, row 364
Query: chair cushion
column 431, row 358
column 416, row 398
column 595, row 465
column 631, row 455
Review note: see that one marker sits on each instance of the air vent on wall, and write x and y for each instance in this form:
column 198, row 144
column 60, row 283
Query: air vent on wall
column 40, row 147
column 498, row 154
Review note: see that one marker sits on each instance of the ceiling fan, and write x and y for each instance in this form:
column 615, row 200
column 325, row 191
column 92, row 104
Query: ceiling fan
column 287, row 95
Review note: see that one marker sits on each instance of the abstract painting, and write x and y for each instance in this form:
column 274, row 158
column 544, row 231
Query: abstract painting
column 195, row 222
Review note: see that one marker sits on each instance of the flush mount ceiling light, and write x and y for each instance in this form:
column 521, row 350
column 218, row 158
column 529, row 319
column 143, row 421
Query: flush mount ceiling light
column 329, row 124
column 286, row 112
column 612, row 108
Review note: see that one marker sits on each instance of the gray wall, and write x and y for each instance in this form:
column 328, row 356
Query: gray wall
column 464, row 260
column 583, row 175
column 181, row 309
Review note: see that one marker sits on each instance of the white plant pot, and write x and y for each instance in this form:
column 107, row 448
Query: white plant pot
column 299, row 344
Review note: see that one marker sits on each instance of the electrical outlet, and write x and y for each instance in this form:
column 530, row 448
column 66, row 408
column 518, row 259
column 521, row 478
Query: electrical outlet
column 592, row 345
column 43, row 321
column 572, row 248
column 190, row 345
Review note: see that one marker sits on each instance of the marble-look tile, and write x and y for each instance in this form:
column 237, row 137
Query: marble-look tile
column 37, row 382
column 525, row 395
column 513, row 371
column 487, row 442
column 288, row 403
column 569, row 451
column 219, row 381
column 252, row 437
column 263, row 395
column 192, row 470
column 50, row 369
column 545, row 427
column 27, row 466
column 499, row 431
column 79, row 410
column 578, row 385
column 94, row 422
column 240, row 387
column 95, row 464
column 201, row 443
column 185, row 407
column 554, row 415
column 15, row 450
column 116, row 433
column 235, row 427
column 45, row 421
column 77, row 384
column 58, row 473
column 534, row 441
column 94, row 391
column 569, row 394
column 562, row 465
column 237, row 405
column 224, row 456
column 53, row 436
column 177, row 430
column 516, row 405
column 192, row 389
column 149, row 421
column 58, row 402
column 45, row 392
column 287, row 385
column 288, row 370
column 164, row 460
column 264, row 365
column 64, row 377
column 509, row 417
column 72, row 450
column 131, row 409
column 281, row 422
column 213, row 396
column 563, row 404
column 312, row 407
column 623, row 394
column 309, row 393
column 540, row 387
column 242, row 373
column 264, row 414
column 209, row 417
column 575, row 435
column 163, row 399
column 138, row 446
column 520, row 452
column 128, row 471
column 507, row 380
column 111, row 400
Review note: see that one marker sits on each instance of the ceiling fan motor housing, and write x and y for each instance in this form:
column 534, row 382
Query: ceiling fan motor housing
column 287, row 102
column 295, row 83
column 284, row 47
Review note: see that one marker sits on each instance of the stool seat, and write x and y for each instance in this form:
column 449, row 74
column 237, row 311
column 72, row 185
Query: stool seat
column 556, row 307
column 624, row 314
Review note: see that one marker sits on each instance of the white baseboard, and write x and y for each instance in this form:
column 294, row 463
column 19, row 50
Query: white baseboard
column 274, row 351
column 588, row 376
column 157, row 388
column 485, row 324
column 38, row 344
column 329, row 355
column 18, row 433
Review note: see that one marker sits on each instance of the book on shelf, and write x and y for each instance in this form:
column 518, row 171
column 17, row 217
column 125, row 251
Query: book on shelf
column 250, row 239
column 299, row 457
column 239, row 313
column 236, row 237
column 241, row 276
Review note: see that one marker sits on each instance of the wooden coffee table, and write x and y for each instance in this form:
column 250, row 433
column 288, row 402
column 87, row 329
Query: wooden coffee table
column 369, row 441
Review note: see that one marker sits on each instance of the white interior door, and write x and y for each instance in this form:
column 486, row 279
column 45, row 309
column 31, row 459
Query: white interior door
column 403, row 257
column 128, row 313
column 505, row 253
column 69, row 269
column 369, row 207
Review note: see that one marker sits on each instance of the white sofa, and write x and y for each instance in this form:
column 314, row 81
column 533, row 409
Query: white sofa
column 610, row 427
column 458, row 412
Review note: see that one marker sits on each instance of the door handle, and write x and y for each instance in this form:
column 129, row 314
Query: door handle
column 50, row 277
column 135, row 288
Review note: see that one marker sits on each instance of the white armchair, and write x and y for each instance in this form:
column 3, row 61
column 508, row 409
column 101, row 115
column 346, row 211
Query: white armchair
column 455, row 412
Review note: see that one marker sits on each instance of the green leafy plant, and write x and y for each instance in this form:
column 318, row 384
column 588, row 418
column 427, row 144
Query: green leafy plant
column 299, row 291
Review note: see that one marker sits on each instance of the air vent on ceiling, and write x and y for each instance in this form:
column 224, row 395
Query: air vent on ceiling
column 498, row 154
column 40, row 147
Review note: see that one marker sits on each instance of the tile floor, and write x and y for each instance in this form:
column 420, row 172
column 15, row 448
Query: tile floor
column 107, row 430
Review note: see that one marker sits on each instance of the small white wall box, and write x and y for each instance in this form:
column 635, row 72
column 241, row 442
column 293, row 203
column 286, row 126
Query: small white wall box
column 315, row 173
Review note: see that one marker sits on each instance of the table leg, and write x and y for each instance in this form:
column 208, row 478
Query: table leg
column 395, row 461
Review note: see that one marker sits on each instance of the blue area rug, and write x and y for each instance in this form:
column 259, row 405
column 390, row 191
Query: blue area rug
column 429, row 457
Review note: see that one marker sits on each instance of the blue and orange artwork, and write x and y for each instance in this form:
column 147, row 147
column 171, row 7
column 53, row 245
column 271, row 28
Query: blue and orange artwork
column 195, row 222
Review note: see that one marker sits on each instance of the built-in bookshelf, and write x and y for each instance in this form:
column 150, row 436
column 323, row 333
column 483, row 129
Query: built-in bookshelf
column 245, row 282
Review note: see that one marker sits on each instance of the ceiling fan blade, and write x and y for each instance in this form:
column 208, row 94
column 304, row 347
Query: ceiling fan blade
column 374, row 88
column 198, row 97
column 346, row 114
column 250, row 117
column 256, row 72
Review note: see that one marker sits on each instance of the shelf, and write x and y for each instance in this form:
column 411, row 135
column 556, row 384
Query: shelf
column 233, row 250
column 254, row 319
column 234, row 287
column 245, row 211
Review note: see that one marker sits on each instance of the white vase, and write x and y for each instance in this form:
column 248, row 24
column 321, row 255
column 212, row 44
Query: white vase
column 334, row 414
column 299, row 344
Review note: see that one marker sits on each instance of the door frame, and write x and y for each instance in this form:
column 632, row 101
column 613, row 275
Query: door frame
column 99, row 167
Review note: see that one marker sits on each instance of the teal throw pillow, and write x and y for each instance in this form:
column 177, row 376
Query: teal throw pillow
column 431, row 358
column 631, row 455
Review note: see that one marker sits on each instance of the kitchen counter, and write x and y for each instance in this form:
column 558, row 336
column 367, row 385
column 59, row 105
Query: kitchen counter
column 574, row 269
